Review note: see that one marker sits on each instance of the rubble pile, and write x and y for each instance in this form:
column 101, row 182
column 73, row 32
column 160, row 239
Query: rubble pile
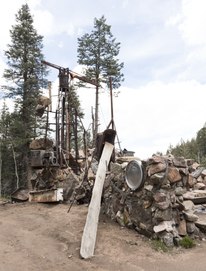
column 167, row 204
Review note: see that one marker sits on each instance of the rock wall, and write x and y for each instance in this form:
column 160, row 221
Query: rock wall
column 164, row 206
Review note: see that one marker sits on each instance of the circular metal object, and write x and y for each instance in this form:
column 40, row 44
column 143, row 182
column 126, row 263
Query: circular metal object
column 134, row 174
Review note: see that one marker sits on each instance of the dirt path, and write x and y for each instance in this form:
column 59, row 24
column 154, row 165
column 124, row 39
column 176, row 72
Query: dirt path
column 45, row 237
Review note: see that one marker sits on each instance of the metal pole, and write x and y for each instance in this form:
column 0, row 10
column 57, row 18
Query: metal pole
column 49, row 87
column 111, row 99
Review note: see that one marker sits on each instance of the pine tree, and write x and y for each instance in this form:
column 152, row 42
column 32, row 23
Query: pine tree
column 98, row 51
column 24, row 75
column 7, row 163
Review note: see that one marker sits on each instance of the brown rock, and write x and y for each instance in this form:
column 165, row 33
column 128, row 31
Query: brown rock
column 199, row 186
column 162, row 201
column 191, row 181
column 155, row 159
column 200, row 179
column 155, row 168
column 184, row 171
column 195, row 165
column 179, row 162
column 174, row 175
column 160, row 197
column 182, row 228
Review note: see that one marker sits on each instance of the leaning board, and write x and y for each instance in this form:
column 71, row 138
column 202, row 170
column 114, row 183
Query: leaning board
column 90, row 229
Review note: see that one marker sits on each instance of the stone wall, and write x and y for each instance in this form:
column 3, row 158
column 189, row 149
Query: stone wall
column 164, row 206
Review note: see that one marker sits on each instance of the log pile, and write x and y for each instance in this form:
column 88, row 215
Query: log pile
column 166, row 206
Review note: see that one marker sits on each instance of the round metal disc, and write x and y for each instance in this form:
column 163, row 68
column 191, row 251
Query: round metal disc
column 134, row 174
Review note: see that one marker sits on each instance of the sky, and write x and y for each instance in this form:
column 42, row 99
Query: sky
column 163, row 47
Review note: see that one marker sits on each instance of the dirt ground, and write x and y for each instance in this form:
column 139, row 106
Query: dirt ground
column 46, row 237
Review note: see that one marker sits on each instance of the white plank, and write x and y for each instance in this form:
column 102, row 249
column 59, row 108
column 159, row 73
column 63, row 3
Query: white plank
column 90, row 229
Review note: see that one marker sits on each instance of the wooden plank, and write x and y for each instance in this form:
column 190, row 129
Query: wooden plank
column 90, row 229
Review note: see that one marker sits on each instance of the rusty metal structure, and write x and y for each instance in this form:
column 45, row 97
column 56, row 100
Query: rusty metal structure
column 62, row 129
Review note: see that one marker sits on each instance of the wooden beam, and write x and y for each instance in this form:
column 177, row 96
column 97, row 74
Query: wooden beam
column 90, row 229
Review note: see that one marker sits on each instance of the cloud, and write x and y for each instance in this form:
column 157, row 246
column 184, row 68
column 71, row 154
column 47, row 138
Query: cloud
column 150, row 118
column 43, row 21
column 193, row 21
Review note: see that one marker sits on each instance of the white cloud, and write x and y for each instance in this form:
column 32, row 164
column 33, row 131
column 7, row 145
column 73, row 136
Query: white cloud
column 191, row 21
column 43, row 21
column 150, row 118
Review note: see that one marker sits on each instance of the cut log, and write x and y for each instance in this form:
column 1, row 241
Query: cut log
column 90, row 229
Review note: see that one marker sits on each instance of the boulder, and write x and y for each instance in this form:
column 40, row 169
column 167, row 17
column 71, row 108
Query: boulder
column 179, row 162
column 191, row 181
column 157, row 178
column 174, row 175
column 201, row 222
column 164, row 226
column 182, row 227
column 188, row 205
column 190, row 227
column 155, row 159
column 156, row 168
column 190, row 216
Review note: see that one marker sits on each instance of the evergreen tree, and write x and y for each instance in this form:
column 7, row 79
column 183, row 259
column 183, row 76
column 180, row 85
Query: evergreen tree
column 201, row 142
column 24, row 75
column 98, row 51
column 7, row 163
column 5, row 121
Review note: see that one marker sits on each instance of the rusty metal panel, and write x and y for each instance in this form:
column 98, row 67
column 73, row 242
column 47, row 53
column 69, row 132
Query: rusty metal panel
column 20, row 194
column 43, row 158
column 49, row 195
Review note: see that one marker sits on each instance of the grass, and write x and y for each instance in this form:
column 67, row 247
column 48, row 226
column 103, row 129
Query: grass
column 187, row 242
column 158, row 245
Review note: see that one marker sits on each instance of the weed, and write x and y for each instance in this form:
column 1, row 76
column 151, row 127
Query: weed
column 187, row 242
column 158, row 245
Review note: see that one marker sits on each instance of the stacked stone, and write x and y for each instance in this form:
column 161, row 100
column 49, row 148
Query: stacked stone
column 161, row 208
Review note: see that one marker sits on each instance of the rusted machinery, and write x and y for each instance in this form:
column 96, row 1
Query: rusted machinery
column 62, row 112
column 46, row 156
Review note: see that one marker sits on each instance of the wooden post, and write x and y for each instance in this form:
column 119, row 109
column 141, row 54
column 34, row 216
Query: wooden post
column 90, row 229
